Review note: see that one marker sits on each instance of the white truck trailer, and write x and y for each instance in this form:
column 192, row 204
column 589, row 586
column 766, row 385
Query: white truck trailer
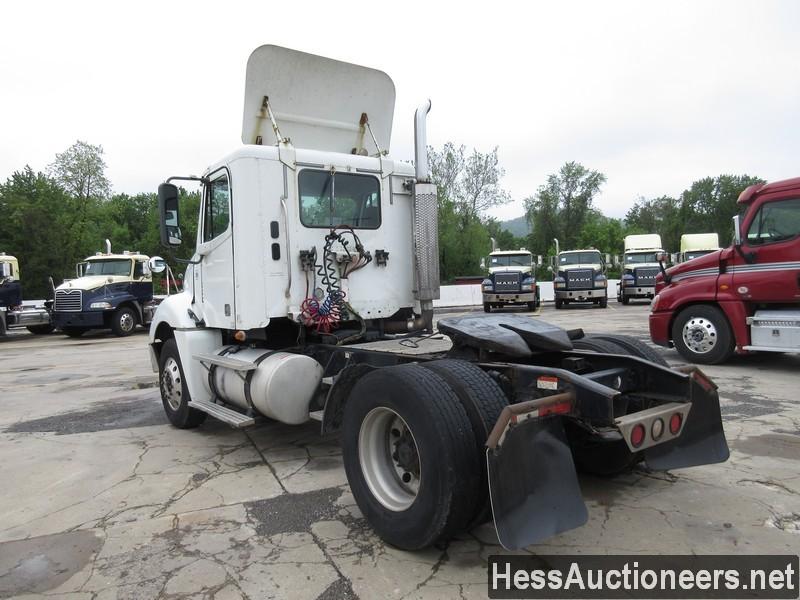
column 640, row 267
column 313, row 241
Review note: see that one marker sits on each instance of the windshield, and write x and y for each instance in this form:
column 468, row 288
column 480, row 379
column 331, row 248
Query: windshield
column 641, row 257
column 510, row 260
column 697, row 254
column 108, row 267
column 580, row 258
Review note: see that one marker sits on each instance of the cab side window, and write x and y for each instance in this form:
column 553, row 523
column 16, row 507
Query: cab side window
column 775, row 222
column 216, row 216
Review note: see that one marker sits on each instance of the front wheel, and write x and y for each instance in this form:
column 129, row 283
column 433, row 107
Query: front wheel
column 626, row 300
column 701, row 334
column 487, row 307
column 123, row 322
column 174, row 393
column 410, row 456
column 531, row 306
column 559, row 303
column 41, row 329
column 604, row 302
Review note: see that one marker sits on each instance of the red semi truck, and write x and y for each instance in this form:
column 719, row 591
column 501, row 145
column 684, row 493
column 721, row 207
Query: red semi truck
column 743, row 298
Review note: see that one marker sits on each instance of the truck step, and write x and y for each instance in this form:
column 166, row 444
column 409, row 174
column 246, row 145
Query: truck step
column 316, row 415
column 229, row 362
column 224, row 414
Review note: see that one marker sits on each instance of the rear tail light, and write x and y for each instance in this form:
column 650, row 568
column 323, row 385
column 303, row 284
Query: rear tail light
column 559, row 408
column 637, row 435
column 675, row 422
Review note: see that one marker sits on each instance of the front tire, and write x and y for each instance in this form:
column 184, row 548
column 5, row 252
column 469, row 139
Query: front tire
column 41, row 329
column 174, row 393
column 410, row 456
column 487, row 307
column 701, row 334
column 559, row 303
column 604, row 302
column 123, row 322
column 626, row 300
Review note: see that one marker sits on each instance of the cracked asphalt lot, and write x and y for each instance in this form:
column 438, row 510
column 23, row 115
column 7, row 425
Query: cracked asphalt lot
column 103, row 499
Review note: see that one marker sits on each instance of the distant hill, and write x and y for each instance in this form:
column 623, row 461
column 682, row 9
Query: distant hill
column 518, row 227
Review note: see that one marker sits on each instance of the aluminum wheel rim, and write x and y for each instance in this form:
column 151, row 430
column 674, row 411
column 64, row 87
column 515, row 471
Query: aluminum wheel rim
column 171, row 381
column 389, row 458
column 126, row 322
column 699, row 335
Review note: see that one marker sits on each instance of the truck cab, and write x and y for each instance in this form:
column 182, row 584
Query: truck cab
column 744, row 298
column 695, row 245
column 580, row 277
column 111, row 291
column 511, row 280
column 12, row 312
column 639, row 267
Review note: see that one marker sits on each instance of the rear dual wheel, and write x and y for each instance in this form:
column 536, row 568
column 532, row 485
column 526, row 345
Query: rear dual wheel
column 413, row 459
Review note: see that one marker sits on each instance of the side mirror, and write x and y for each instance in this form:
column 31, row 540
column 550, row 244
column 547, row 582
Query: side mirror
column 550, row 268
column 737, row 231
column 483, row 263
column 157, row 264
column 539, row 260
column 662, row 257
column 80, row 269
column 5, row 269
column 168, row 213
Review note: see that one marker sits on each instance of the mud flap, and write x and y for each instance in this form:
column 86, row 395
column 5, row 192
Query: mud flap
column 702, row 441
column 533, row 485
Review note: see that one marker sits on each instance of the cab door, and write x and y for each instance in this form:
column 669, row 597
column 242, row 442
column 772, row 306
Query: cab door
column 215, row 246
column 768, row 268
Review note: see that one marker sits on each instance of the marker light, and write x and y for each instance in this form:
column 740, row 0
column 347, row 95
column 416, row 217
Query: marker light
column 657, row 430
column 675, row 422
column 637, row 435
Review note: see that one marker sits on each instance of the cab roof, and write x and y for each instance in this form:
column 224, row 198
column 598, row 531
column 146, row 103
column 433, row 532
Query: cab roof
column 508, row 252
column 762, row 188
column 124, row 256
column 578, row 251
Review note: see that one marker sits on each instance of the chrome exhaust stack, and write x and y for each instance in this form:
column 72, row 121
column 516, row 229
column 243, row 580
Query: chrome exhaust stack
column 425, row 227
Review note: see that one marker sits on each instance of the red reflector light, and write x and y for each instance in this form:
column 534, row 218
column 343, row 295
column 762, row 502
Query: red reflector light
column 675, row 422
column 559, row 408
column 637, row 435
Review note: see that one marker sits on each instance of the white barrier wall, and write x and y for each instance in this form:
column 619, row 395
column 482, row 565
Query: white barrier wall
column 471, row 295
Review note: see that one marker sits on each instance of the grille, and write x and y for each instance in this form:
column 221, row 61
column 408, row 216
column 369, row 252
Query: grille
column 507, row 282
column 69, row 300
column 579, row 279
column 646, row 276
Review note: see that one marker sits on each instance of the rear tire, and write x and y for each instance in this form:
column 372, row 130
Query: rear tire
column 483, row 400
column 40, row 329
column 434, row 447
column 633, row 347
column 73, row 332
column 701, row 334
column 123, row 322
column 174, row 393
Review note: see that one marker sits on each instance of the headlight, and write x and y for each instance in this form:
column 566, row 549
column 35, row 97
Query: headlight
column 628, row 280
column 487, row 285
column 559, row 282
column 654, row 304
column 100, row 305
column 600, row 280
column 528, row 283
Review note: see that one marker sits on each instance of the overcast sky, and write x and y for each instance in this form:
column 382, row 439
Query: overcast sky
column 654, row 95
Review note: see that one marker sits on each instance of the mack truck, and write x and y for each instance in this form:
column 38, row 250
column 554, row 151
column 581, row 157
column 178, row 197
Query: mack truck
column 111, row 291
column 742, row 299
column 695, row 245
column 13, row 313
column 640, row 266
column 316, row 260
column 511, row 280
column 580, row 276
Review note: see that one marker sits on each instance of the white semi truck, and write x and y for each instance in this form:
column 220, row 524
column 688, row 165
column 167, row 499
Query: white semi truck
column 313, row 242
column 511, row 280
column 640, row 267
column 13, row 313
column 580, row 276
column 695, row 245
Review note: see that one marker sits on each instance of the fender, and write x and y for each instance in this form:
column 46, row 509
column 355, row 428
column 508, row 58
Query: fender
column 172, row 320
